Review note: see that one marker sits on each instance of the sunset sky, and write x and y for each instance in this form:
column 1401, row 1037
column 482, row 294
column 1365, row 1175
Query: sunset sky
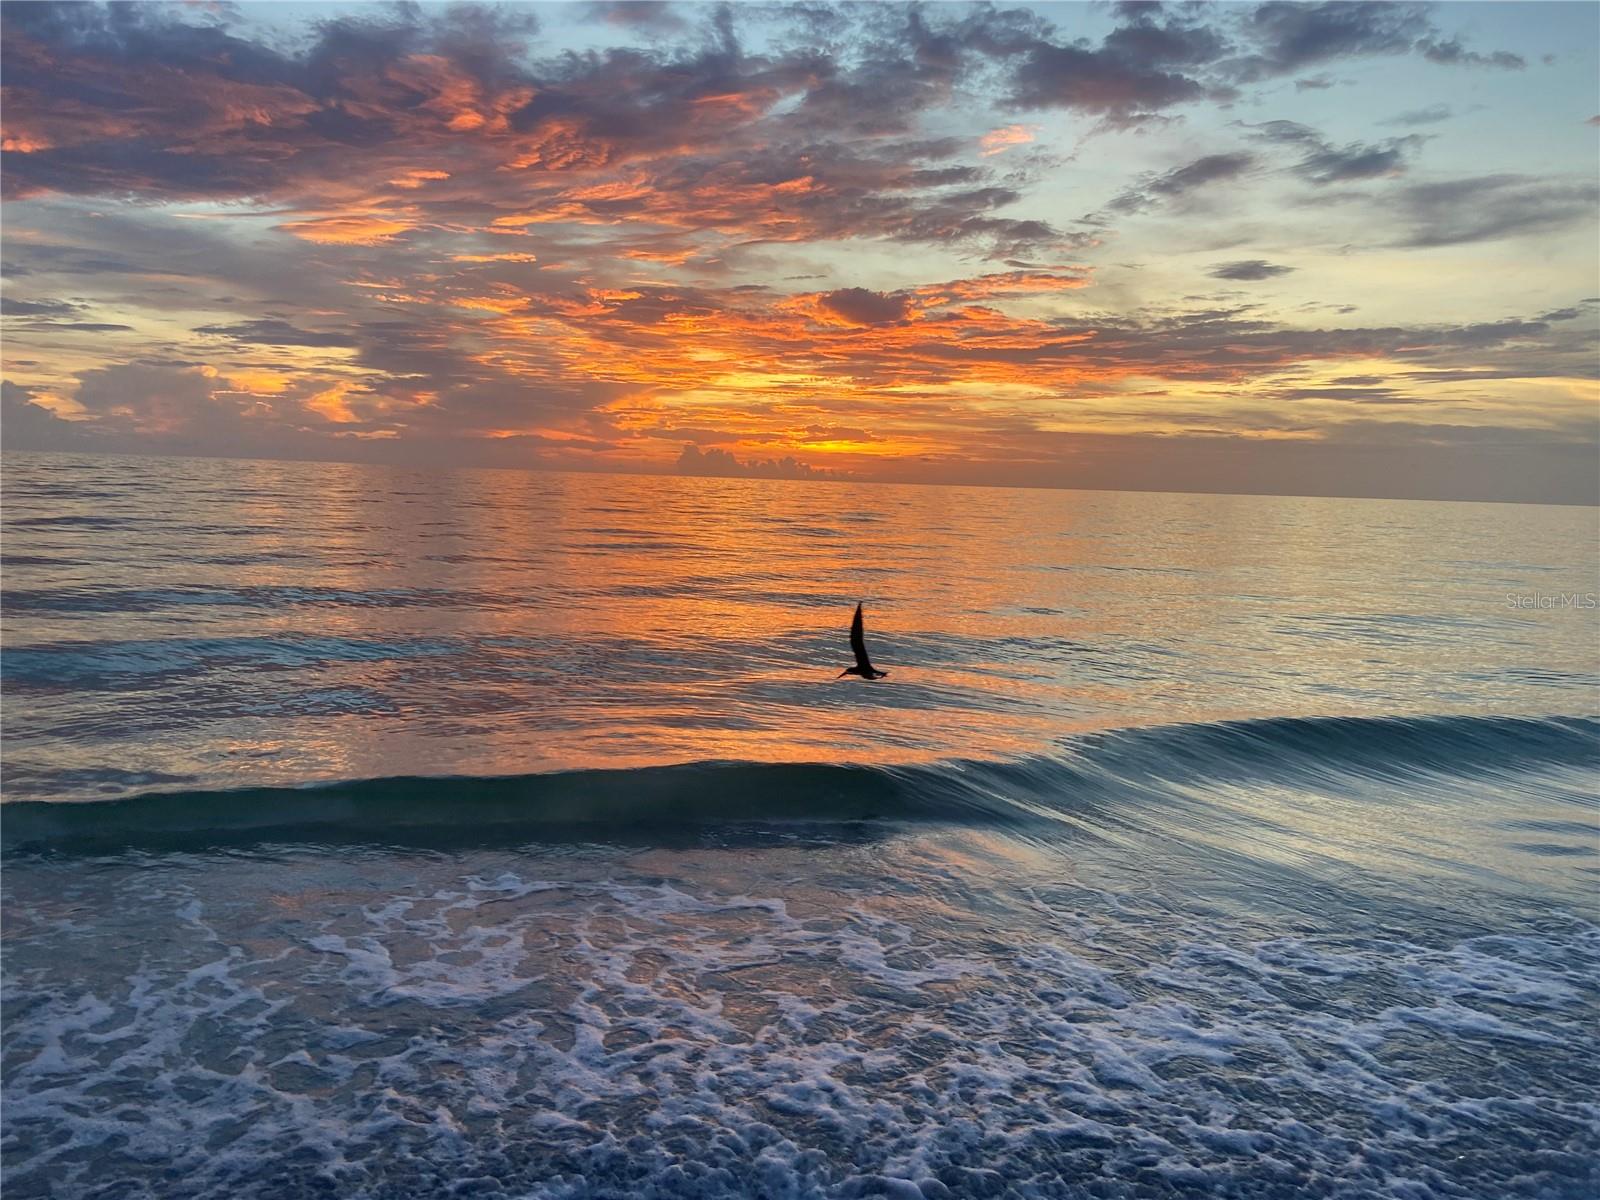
column 1327, row 249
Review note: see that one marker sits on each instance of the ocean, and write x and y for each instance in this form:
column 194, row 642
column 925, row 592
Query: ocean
column 385, row 833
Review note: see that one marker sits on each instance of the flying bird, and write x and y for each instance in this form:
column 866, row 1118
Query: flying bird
column 858, row 644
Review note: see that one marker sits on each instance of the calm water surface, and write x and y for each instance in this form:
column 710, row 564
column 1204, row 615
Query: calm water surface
column 1233, row 846
column 207, row 623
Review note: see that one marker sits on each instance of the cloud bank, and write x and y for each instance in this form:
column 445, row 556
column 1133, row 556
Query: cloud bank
column 801, row 240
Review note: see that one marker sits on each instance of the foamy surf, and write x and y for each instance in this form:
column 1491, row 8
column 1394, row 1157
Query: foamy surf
column 1238, row 958
column 812, row 1025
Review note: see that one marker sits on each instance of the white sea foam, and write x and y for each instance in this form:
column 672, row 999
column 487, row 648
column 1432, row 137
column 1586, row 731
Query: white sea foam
column 508, row 1034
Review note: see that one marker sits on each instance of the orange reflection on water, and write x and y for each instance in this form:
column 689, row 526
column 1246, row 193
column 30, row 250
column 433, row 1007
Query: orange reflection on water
column 280, row 623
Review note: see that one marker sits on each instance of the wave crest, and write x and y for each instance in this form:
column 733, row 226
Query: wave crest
column 1092, row 771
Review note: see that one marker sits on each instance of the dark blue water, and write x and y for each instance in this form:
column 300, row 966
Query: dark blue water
column 383, row 834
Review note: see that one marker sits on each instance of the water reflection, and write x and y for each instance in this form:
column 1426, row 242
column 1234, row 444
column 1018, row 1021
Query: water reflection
column 256, row 623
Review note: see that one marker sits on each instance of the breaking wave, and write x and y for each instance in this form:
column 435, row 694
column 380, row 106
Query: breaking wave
column 1089, row 773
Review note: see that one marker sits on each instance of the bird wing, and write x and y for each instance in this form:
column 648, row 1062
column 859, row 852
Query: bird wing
column 858, row 641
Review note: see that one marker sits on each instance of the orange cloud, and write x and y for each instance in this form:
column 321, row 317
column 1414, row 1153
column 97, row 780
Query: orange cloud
column 411, row 180
column 20, row 142
column 1008, row 283
column 360, row 230
column 492, row 258
column 333, row 404
column 997, row 141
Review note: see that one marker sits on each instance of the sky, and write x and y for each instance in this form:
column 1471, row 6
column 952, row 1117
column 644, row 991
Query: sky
column 1334, row 248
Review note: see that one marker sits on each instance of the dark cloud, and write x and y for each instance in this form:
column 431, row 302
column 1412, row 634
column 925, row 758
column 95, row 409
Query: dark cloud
column 169, row 395
column 1450, row 52
column 718, row 462
column 1487, row 207
column 1282, row 37
column 1212, row 168
column 1249, row 269
column 858, row 306
column 1160, row 57
column 1284, row 132
column 1102, row 81
column 27, row 425
column 1354, row 395
column 1494, row 333
column 1322, row 162
column 1288, row 37
column 1154, row 36
column 1232, row 344
column 1201, row 171
column 38, row 308
column 1571, row 313
column 1359, row 160
column 49, row 314
column 1430, row 115
column 268, row 331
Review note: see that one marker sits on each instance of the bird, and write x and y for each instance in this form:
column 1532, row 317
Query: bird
column 858, row 643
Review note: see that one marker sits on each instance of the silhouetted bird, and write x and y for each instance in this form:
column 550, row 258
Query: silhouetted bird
column 858, row 643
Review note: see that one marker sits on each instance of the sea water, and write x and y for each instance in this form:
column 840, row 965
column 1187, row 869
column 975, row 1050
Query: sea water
column 374, row 832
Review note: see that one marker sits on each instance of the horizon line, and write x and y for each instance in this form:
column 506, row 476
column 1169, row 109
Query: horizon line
column 541, row 468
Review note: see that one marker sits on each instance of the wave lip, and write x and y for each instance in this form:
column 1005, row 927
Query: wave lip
column 1122, row 766
column 1398, row 747
column 407, row 809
